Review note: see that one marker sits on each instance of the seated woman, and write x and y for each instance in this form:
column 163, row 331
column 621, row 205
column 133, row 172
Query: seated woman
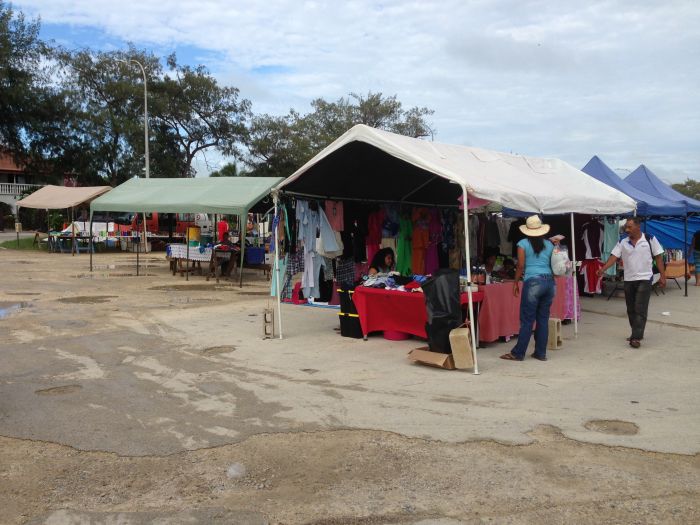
column 383, row 262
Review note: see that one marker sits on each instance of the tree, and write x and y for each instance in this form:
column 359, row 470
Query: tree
column 33, row 111
column 278, row 146
column 106, row 94
column 690, row 187
column 199, row 114
column 229, row 170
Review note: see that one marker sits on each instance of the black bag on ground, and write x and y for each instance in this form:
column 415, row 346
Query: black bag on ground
column 443, row 307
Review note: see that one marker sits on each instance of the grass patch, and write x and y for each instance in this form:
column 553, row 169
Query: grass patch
column 25, row 243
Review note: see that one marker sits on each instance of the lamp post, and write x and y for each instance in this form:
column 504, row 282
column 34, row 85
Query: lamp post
column 145, row 109
column 145, row 138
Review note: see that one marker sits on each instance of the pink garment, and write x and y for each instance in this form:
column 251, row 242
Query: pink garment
column 432, row 262
column 334, row 212
column 373, row 239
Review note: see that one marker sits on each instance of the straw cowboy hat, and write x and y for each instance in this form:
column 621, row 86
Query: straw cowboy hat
column 533, row 227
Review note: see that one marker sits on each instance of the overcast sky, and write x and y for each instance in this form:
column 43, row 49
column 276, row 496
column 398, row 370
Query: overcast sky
column 561, row 79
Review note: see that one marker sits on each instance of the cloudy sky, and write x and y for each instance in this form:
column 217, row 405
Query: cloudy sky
column 564, row 79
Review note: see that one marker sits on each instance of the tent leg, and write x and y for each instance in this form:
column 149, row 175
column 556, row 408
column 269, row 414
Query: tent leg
column 187, row 259
column 575, row 283
column 685, row 252
column 467, row 257
column 277, row 264
column 72, row 229
column 243, row 231
column 91, row 245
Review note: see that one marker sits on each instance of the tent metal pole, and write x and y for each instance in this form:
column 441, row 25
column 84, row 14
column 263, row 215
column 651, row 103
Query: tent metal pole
column 138, row 250
column 72, row 229
column 48, row 229
column 91, row 245
column 244, row 226
column 187, row 256
column 467, row 257
column 685, row 252
column 277, row 262
column 575, row 278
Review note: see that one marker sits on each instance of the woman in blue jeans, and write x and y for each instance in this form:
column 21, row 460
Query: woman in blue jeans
column 534, row 261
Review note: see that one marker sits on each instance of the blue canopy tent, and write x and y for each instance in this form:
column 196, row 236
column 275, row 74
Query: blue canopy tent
column 645, row 180
column 647, row 205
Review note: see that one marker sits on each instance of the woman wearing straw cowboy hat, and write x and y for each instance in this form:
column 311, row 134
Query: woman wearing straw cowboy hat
column 534, row 261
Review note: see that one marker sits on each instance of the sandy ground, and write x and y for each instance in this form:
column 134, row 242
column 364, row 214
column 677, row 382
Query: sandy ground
column 149, row 399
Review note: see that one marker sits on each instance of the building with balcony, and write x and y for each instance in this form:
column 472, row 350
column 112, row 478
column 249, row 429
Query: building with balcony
column 13, row 181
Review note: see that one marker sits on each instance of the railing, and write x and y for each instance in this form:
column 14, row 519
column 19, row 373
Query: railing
column 9, row 188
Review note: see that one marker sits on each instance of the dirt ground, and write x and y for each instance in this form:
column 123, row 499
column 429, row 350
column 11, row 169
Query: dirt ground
column 149, row 399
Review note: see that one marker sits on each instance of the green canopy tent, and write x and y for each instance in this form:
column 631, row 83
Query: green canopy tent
column 218, row 195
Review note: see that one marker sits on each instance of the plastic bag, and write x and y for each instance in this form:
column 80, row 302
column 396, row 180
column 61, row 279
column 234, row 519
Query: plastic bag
column 561, row 265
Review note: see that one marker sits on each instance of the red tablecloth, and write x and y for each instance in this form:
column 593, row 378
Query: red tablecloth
column 500, row 310
column 381, row 309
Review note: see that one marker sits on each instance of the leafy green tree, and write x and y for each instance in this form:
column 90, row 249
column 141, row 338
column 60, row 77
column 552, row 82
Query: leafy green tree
column 690, row 187
column 33, row 111
column 229, row 170
column 278, row 146
column 199, row 113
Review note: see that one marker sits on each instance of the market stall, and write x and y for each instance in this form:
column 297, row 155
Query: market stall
column 218, row 195
column 62, row 198
column 644, row 179
column 367, row 165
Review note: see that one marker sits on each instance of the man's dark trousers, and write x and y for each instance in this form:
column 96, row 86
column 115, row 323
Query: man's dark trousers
column 637, row 294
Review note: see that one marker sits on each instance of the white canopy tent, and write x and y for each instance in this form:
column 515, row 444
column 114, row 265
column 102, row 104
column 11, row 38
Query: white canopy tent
column 394, row 168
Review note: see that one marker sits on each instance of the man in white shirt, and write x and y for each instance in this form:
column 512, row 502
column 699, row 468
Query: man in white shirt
column 637, row 254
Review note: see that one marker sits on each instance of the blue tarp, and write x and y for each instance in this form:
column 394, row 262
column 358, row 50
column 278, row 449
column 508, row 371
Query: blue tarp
column 647, row 205
column 670, row 232
column 645, row 180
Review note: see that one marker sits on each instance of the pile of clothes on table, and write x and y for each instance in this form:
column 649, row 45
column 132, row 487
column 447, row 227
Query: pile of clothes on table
column 394, row 281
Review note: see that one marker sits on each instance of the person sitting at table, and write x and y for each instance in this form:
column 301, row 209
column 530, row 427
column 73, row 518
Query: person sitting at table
column 383, row 262
column 490, row 255
column 534, row 260
column 226, row 265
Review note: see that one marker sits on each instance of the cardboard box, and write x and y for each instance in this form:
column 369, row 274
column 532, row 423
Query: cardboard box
column 424, row 356
column 460, row 343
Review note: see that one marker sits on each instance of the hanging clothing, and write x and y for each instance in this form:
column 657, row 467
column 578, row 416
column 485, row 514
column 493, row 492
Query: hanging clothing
column 334, row 212
column 403, row 246
column 514, row 236
column 611, row 236
column 375, row 220
column 493, row 235
column 420, row 239
column 592, row 283
column 504, row 245
column 432, row 259
column 592, row 236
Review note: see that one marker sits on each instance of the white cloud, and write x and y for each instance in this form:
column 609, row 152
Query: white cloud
column 571, row 79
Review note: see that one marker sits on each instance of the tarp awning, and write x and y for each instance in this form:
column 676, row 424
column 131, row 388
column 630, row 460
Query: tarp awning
column 647, row 204
column 371, row 164
column 61, row 197
column 646, row 180
column 224, row 195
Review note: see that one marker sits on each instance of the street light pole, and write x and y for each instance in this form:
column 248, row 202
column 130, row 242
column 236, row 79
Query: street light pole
column 145, row 138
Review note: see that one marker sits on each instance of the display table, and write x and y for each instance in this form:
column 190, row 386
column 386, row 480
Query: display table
column 179, row 251
column 392, row 310
column 500, row 310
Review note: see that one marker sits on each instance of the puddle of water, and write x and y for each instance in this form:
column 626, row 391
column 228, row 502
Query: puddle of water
column 105, row 276
column 58, row 390
column 23, row 293
column 6, row 309
column 189, row 288
column 216, row 350
column 87, row 299
column 612, row 426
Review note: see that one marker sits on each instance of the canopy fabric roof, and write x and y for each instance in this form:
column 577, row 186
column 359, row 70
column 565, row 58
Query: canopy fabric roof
column 647, row 204
column 370, row 164
column 645, row 180
column 224, row 195
column 61, row 197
